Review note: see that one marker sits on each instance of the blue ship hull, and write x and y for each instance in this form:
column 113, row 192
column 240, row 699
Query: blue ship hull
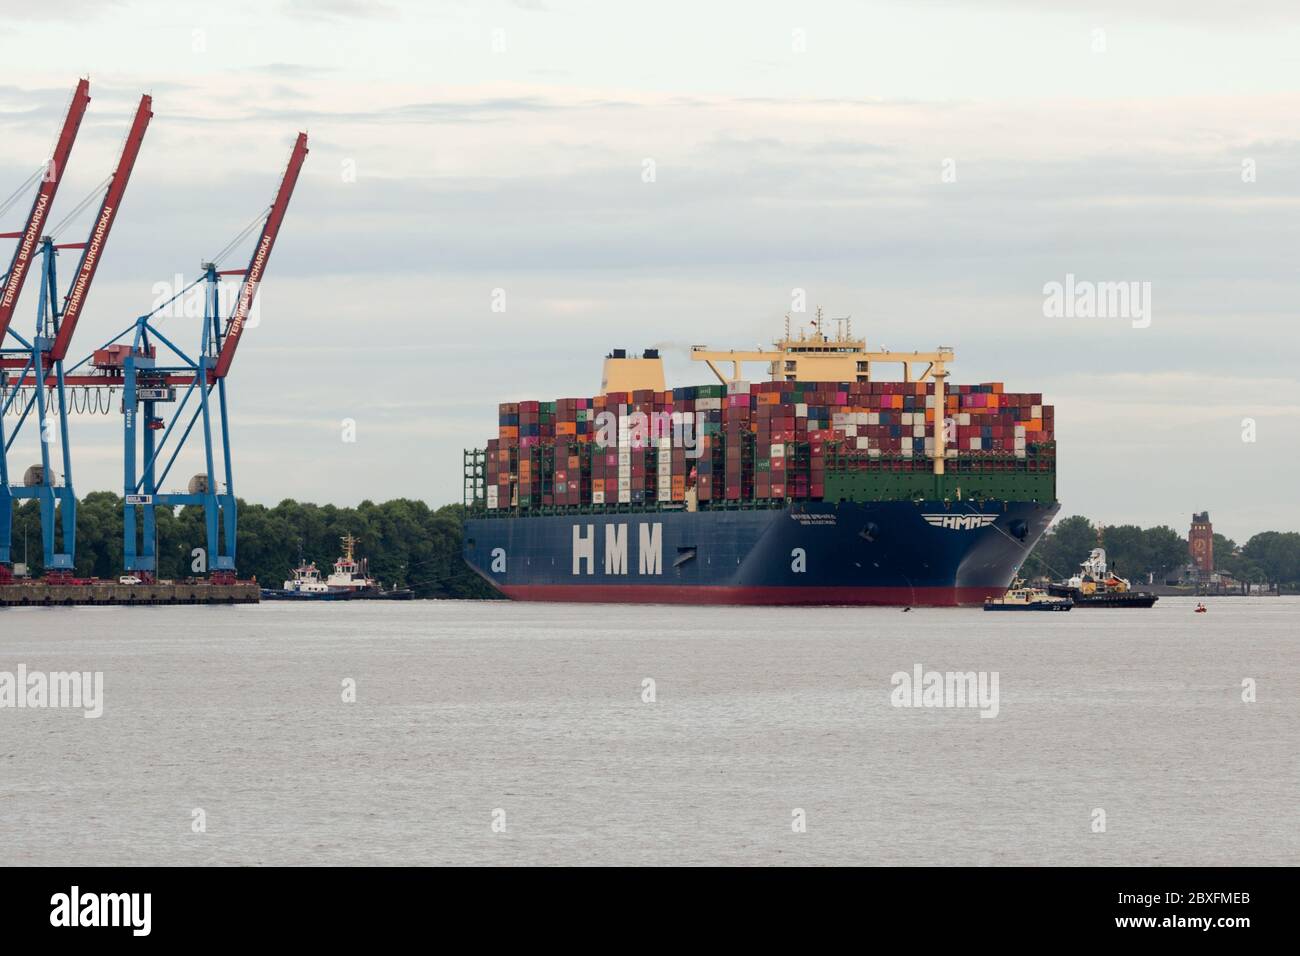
column 881, row 553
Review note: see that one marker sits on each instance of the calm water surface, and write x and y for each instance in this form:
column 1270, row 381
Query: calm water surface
column 465, row 708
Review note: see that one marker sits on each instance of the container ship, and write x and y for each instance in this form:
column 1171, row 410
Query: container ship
column 822, row 485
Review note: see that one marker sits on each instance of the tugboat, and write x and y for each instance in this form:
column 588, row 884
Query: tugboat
column 1095, row 586
column 1020, row 598
column 348, row 582
column 304, row 585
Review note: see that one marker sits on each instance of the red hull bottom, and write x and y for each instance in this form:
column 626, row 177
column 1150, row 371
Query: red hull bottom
column 763, row 596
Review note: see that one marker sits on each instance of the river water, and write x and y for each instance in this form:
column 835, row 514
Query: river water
column 502, row 733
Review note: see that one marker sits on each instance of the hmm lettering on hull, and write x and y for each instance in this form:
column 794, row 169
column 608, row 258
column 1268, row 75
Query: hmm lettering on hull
column 650, row 549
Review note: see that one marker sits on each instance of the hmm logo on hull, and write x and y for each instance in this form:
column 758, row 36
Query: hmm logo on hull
column 960, row 522
column 650, row 549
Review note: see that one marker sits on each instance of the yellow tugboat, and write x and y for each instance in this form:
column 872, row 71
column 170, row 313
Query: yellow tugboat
column 1020, row 598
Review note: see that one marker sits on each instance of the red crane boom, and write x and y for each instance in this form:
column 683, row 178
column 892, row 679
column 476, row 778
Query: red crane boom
column 103, row 224
column 29, row 239
column 261, row 255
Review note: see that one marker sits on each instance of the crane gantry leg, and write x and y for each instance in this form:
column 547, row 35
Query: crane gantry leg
column 56, row 499
column 147, row 385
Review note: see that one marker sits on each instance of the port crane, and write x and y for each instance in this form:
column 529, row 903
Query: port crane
column 32, row 375
column 149, row 383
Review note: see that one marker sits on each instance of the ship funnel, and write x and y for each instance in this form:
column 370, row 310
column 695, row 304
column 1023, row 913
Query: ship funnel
column 623, row 374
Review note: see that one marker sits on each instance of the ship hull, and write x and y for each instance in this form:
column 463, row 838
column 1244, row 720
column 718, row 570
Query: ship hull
column 280, row 594
column 895, row 553
column 1104, row 599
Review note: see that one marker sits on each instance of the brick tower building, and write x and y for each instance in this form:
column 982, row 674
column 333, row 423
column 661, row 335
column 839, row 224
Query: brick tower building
column 1200, row 542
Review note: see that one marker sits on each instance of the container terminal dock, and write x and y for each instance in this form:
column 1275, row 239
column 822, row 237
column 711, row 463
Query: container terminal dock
column 109, row 593
column 162, row 390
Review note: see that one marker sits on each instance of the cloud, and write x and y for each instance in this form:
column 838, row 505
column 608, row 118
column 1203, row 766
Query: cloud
column 340, row 9
column 78, row 11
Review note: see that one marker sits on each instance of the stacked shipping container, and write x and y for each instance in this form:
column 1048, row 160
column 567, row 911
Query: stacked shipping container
column 769, row 441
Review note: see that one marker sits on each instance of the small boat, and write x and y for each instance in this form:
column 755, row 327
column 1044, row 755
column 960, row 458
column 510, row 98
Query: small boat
column 1201, row 609
column 1095, row 586
column 349, row 582
column 1027, row 599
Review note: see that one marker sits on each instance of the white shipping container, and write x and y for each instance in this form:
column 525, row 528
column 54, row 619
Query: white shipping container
column 873, row 418
column 801, row 409
column 598, row 497
column 963, row 418
column 624, row 484
column 918, row 431
column 974, row 444
column 1035, row 411
column 624, row 497
column 778, row 451
column 863, row 442
column 873, row 453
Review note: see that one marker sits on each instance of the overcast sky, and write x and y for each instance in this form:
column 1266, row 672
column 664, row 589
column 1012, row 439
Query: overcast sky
column 795, row 145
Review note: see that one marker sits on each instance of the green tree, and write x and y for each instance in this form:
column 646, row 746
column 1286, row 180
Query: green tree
column 1277, row 556
column 1060, row 551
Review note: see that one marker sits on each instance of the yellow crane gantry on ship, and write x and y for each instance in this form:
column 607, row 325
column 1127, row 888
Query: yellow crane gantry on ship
column 821, row 358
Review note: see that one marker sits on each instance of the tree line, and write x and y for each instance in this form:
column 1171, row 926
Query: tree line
column 406, row 543
column 1160, row 553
